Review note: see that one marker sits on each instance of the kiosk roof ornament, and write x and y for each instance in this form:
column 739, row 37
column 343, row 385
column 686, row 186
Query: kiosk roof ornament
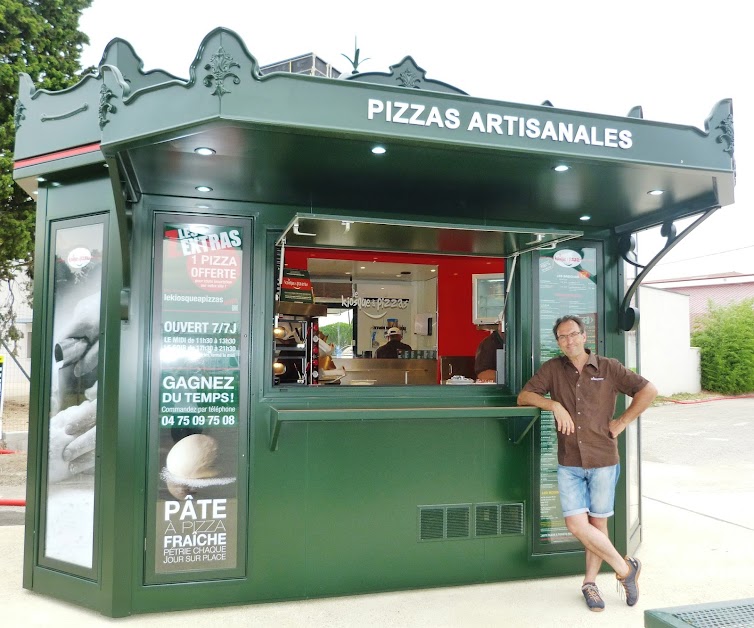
column 493, row 159
column 405, row 73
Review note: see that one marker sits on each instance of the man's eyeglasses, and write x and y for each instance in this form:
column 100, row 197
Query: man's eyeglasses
column 571, row 336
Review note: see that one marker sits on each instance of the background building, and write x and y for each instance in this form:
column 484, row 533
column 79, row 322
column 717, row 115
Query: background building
column 722, row 289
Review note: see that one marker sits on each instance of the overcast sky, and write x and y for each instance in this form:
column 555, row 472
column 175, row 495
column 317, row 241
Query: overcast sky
column 675, row 58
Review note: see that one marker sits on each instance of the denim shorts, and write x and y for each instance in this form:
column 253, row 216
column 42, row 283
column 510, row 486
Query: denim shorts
column 588, row 490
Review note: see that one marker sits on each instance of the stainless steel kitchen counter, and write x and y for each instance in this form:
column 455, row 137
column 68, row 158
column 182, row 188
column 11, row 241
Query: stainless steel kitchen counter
column 388, row 372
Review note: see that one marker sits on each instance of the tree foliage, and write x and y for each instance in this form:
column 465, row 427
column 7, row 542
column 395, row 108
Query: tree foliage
column 725, row 337
column 339, row 334
column 42, row 39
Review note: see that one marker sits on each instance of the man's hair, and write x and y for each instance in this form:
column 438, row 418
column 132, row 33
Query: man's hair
column 565, row 319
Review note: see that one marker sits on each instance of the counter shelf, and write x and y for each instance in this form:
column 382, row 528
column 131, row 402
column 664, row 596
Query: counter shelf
column 520, row 418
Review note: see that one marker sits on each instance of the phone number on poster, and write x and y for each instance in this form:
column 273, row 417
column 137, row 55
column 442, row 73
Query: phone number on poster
column 196, row 420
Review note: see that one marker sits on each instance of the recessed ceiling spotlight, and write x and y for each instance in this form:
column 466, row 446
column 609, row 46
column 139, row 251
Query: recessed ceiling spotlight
column 656, row 192
column 56, row 184
column 561, row 168
column 585, row 217
column 203, row 188
column 202, row 206
column 204, row 150
column 363, row 267
column 433, row 270
column 41, row 179
column 379, row 150
column 106, row 165
column 36, row 192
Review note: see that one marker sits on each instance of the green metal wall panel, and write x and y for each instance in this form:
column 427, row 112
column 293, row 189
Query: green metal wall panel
column 84, row 199
column 335, row 509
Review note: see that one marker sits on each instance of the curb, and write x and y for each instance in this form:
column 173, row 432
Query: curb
column 694, row 401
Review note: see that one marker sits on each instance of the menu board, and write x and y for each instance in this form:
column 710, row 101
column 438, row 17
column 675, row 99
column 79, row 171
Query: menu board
column 197, row 410
column 567, row 280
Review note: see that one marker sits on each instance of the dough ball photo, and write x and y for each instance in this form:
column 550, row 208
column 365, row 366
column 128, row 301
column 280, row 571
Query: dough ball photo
column 194, row 457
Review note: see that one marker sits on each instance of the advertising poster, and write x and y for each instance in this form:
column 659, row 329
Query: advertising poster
column 296, row 286
column 71, row 437
column 197, row 416
column 567, row 285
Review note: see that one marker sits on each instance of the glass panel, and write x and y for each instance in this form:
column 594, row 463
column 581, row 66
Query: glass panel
column 197, row 404
column 567, row 283
column 378, row 326
column 69, row 512
column 337, row 329
column 489, row 298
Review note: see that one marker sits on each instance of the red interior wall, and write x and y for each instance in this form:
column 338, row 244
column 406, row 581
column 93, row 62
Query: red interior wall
column 457, row 334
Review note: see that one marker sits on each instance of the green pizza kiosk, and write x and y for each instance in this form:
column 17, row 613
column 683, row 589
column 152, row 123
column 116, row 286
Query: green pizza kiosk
column 220, row 256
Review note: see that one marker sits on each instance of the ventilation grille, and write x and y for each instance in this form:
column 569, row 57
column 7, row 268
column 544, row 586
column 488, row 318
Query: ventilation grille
column 444, row 522
column 737, row 616
column 487, row 520
column 511, row 518
column 458, row 520
column 432, row 524
column 499, row 519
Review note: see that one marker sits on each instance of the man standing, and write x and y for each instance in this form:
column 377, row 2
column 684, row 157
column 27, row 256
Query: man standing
column 583, row 388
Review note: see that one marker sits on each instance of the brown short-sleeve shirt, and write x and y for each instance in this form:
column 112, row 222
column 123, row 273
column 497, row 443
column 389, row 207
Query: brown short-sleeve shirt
column 486, row 352
column 590, row 398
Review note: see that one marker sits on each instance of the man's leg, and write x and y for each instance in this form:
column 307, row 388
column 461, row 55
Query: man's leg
column 593, row 561
column 596, row 542
column 579, row 488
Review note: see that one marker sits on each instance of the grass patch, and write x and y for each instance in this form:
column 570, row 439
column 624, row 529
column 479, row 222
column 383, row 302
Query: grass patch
column 700, row 396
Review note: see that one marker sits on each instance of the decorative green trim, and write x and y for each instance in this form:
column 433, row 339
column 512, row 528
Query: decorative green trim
column 407, row 78
column 105, row 106
column 406, row 74
column 18, row 113
column 62, row 116
column 727, row 134
column 219, row 66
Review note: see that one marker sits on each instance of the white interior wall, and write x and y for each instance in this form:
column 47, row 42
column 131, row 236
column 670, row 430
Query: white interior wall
column 369, row 338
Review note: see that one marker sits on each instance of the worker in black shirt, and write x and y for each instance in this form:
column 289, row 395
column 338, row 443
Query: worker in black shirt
column 485, row 362
column 393, row 345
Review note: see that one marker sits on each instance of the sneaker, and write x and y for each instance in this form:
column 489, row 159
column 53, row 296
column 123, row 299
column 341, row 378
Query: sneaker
column 593, row 598
column 630, row 583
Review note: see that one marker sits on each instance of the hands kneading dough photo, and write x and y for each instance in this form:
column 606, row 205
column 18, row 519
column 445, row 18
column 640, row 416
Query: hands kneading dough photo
column 194, row 462
column 74, row 400
column 72, row 438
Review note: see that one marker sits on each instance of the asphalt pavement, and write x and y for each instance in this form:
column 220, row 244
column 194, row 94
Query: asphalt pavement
column 700, row 457
column 697, row 547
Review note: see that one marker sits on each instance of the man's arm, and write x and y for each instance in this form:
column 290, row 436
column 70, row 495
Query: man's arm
column 488, row 374
column 562, row 417
column 640, row 402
